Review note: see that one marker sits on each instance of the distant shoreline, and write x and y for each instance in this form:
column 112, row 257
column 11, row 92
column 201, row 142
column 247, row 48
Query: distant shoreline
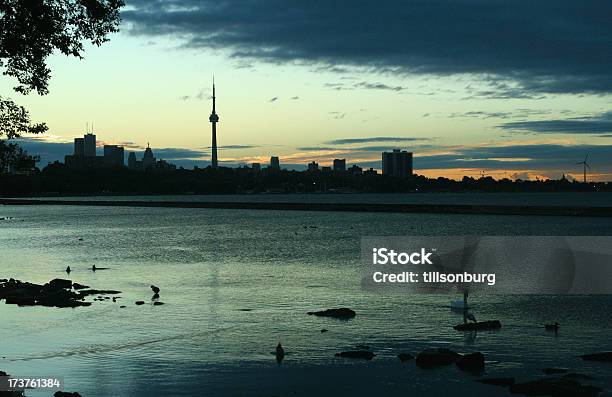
column 337, row 207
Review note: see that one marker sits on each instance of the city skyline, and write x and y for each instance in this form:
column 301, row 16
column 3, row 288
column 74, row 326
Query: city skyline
column 529, row 115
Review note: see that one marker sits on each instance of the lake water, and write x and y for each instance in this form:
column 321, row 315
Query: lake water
column 236, row 282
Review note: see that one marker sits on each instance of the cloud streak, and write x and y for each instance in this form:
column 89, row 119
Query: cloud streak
column 599, row 124
column 552, row 46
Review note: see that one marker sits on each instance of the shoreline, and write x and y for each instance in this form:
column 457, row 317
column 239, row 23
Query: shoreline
column 337, row 207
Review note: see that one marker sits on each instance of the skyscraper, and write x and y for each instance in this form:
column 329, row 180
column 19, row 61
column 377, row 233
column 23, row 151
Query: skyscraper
column 214, row 119
column 89, row 141
column 340, row 165
column 397, row 163
column 274, row 163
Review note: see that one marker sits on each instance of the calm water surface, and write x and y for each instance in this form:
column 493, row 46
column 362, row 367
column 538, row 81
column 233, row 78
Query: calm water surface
column 235, row 282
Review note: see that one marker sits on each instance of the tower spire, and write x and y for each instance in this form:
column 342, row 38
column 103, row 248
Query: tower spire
column 214, row 118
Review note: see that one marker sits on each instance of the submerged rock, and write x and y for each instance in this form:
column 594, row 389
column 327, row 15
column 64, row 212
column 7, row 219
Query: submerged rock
column 324, row 330
column 473, row 362
column 140, row 303
column 552, row 371
column 79, row 286
column 341, row 313
column 604, row 356
column 405, row 357
column 436, row 357
column 557, row 387
column 66, row 394
column 479, row 326
column 158, row 303
column 56, row 293
column 504, row 382
column 363, row 354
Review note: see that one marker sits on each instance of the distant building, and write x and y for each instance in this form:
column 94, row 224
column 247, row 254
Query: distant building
column 79, row 147
column 340, row 165
column 355, row 170
column 256, row 167
column 371, row 171
column 148, row 160
column 313, row 166
column 89, row 145
column 113, row 156
column 397, row 163
column 274, row 163
column 326, row 169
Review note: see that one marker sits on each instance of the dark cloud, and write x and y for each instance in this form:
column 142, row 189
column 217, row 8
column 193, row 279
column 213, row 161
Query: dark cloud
column 338, row 115
column 548, row 46
column 295, row 98
column 597, row 124
column 349, row 141
column 273, row 99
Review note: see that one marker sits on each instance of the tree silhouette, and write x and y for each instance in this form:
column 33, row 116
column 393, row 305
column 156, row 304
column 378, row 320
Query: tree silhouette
column 30, row 31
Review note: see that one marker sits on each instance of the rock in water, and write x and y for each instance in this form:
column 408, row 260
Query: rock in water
column 158, row 303
column 604, row 356
column 473, row 362
column 557, row 387
column 324, row 330
column 280, row 352
column 436, row 357
column 405, row 357
column 342, row 313
column 480, row 326
column 66, row 394
column 140, row 303
column 363, row 354
column 552, row 371
column 504, row 382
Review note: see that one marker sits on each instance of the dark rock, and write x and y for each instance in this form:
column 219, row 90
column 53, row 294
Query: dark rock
column 604, row 356
column 88, row 292
column 343, row 313
column 473, row 362
column 140, row 302
column 66, row 394
column 552, row 371
column 576, row 376
column 480, row 326
column 158, row 303
column 363, row 354
column 504, row 382
column 436, row 357
column 58, row 283
column 556, row 387
column 79, row 286
column 122, row 307
column 324, row 330
column 405, row 357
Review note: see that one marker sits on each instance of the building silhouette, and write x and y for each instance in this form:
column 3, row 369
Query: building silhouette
column 256, row 167
column 148, row 162
column 274, row 163
column 89, row 145
column 113, row 156
column 214, row 119
column 340, row 165
column 148, row 159
column 313, row 166
column 397, row 163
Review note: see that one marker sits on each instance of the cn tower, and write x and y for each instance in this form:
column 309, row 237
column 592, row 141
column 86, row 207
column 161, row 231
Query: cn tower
column 214, row 119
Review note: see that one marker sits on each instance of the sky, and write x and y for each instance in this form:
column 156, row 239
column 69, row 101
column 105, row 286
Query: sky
column 503, row 88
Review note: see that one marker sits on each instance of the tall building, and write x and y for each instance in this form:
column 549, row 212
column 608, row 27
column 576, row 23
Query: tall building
column 313, row 166
column 274, row 163
column 340, row 165
column 133, row 162
column 148, row 160
column 89, row 145
column 214, row 119
column 113, row 156
column 397, row 163
column 256, row 167
column 79, row 147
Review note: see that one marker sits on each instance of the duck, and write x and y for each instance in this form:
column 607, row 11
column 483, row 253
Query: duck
column 68, row 270
column 280, row 352
column 155, row 289
column 552, row 327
